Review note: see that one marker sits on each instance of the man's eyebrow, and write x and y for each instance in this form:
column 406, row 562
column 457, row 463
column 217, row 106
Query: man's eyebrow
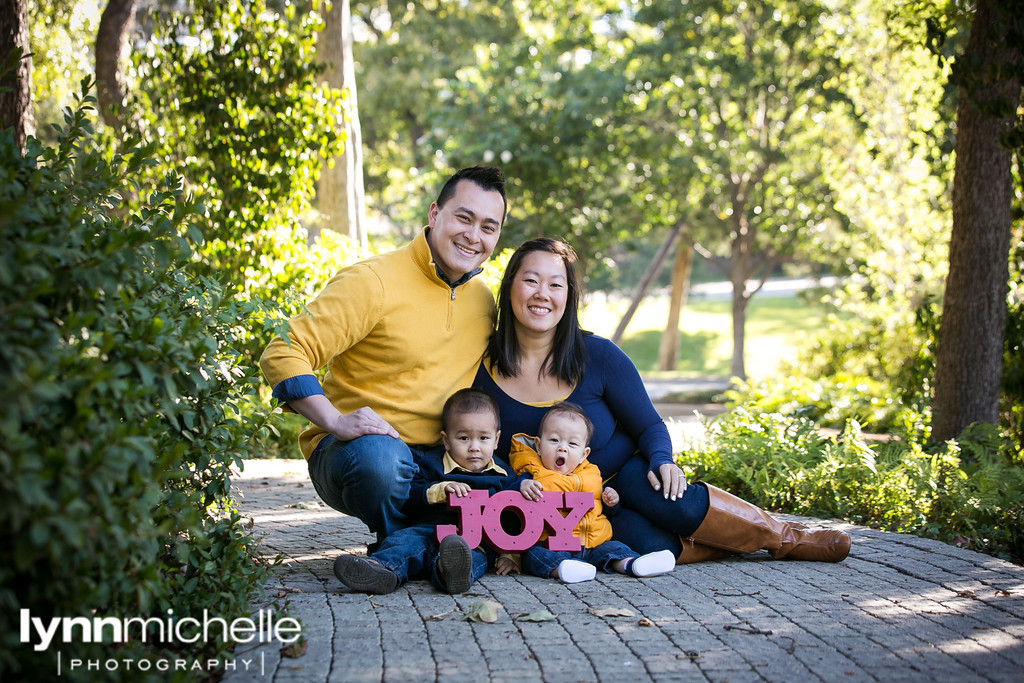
column 471, row 212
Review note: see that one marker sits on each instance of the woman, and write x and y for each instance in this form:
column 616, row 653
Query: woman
column 538, row 355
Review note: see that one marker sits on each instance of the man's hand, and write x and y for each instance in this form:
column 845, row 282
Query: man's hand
column 361, row 422
column 531, row 489
column 503, row 566
column 673, row 479
column 610, row 496
column 460, row 489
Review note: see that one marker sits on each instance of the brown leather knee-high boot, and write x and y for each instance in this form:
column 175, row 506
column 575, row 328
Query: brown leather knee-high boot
column 734, row 525
column 697, row 552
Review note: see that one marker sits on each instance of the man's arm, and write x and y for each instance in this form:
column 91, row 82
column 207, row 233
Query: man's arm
column 320, row 411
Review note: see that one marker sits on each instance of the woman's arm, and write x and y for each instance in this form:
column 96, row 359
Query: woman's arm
column 628, row 401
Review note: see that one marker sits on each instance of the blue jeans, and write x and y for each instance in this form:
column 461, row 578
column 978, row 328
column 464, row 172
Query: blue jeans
column 646, row 521
column 367, row 478
column 540, row 561
column 411, row 553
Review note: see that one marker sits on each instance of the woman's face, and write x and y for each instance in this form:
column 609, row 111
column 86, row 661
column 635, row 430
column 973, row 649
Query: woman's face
column 539, row 292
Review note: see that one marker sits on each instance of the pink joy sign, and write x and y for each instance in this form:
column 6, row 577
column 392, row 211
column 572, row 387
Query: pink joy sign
column 480, row 519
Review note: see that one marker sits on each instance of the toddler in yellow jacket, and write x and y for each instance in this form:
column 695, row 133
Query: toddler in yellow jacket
column 557, row 461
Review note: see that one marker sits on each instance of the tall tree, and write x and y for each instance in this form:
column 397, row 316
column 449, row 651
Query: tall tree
column 111, row 41
column 745, row 90
column 968, row 363
column 15, row 72
column 340, row 194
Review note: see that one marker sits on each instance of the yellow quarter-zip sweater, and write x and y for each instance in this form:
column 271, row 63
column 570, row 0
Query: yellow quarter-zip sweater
column 393, row 335
column 594, row 529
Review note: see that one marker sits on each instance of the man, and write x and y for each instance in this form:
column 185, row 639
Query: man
column 399, row 333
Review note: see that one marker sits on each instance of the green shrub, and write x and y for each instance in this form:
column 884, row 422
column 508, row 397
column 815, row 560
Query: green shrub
column 121, row 385
column 969, row 492
column 829, row 401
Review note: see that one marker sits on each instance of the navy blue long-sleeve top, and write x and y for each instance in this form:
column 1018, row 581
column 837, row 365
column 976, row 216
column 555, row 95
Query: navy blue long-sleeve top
column 612, row 395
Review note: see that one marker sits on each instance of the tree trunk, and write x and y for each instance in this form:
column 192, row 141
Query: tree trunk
column 16, row 86
column 968, row 361
column 340, row 189
column 647, row 280
column 677, row 299
column 111, row 38
column 739, row 329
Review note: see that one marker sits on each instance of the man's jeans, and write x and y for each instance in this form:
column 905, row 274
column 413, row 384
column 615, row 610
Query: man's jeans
column 540, row 561
column 367, row 478
column 411, row 553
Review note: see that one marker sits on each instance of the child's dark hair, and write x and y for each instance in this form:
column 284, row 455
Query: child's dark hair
column 469, row 401
column 567, row 408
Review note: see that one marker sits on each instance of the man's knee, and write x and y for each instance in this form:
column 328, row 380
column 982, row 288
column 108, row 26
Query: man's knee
column 383, row 463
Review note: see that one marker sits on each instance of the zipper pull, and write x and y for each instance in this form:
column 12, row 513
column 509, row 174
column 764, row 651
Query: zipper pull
column 453, row 295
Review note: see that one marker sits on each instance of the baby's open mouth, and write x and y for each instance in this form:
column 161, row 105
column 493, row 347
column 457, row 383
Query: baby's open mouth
column 559, row 461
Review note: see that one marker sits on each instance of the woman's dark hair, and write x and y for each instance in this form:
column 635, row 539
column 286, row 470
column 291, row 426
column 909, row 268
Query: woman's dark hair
column 567, row 355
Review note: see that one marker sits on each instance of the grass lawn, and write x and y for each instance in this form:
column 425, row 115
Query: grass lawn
column 776, row 326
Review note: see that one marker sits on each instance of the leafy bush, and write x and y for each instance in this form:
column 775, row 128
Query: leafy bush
column 827, row 401
column 786, row 462
column 120, row 385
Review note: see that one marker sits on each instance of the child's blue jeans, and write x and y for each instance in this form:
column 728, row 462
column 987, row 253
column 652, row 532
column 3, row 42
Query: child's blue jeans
column 540, row 561
column 412, row 552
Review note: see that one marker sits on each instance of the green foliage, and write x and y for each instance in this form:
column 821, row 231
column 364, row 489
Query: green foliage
column 828, row 401
column 786, row 462
column 232, row 92
column 121, row 386
column 1012, row 397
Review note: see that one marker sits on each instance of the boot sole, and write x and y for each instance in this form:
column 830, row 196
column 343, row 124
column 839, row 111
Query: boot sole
column 364, row 575
column 455, row 564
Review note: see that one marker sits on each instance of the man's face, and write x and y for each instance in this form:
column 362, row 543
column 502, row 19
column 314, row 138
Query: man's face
column 464, row 231
column 470, row 439
column 563, row 444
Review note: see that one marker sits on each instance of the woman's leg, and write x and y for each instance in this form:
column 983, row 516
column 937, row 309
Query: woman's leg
column 367, row 478
column 735, row 525
column 631, row 528
column 681, row 516
column 714, row 523
column 637, row 532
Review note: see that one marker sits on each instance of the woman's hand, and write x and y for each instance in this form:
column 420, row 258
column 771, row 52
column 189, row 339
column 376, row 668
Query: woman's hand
column 531, row 489
column 672, row 481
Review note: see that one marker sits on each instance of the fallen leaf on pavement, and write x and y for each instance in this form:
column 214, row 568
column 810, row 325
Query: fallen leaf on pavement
column 645, row 622
column 483, row 610
column 296, row 649
column 611, row 612
column 542, row 615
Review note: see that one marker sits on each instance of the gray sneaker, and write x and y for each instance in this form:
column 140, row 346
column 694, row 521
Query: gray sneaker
column 455, row 564
column 364, row 575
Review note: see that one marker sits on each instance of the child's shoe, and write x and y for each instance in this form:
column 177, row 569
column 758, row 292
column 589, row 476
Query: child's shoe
column 365, row 575
column 574, row 571
column 652, row 564
column 455, row 564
